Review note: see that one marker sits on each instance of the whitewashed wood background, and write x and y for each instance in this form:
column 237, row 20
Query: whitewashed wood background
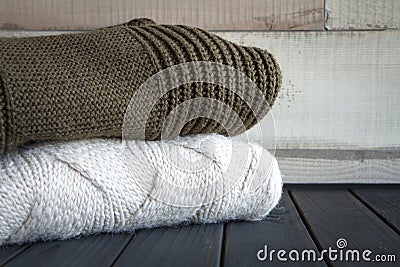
column 338, row 115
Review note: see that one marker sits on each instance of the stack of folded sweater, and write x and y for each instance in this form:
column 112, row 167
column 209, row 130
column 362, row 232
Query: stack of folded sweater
column 78, row 154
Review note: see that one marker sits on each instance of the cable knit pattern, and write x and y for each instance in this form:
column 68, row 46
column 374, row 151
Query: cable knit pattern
column 63, row 189
column 75, row 86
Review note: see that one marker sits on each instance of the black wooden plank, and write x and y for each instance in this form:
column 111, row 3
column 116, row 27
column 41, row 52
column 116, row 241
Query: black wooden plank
column 97, row 250
column 332, row 214
column 383, row 201
column 339, row 186
column 7, row 253
column 283, row 229
column 194, row 245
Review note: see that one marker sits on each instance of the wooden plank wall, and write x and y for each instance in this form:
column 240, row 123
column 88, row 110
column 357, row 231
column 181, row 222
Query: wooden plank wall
column 362, row 15
column 340, row 89
column 209, row 14
column 340, row 61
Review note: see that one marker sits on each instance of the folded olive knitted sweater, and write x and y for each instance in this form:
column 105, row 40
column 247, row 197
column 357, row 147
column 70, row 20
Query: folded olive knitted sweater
column 79, row 85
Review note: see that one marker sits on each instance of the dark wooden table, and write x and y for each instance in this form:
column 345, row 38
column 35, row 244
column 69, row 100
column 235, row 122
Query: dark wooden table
column 309, row 217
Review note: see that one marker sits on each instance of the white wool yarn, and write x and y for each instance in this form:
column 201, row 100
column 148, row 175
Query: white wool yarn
column 60, row 190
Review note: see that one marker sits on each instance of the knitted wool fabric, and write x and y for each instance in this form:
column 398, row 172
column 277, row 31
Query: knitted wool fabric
column 64, row 189
column 79, row 85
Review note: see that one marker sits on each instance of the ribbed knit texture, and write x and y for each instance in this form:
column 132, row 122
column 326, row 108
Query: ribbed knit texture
column 64, row 189
column 2, row 116
column 79, row 85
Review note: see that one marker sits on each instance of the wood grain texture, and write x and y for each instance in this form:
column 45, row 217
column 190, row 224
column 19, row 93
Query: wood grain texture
column 340, row 89
column 383, row 201
column 209, row 14
column 332, row 214
column 8, row 253
column 95, row 250
column 194, row 245
column 339, row 166
column 313, row 170
column 362, row 14
column 282, row 229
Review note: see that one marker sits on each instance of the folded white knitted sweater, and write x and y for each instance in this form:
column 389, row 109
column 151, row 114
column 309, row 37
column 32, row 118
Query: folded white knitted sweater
column 63, row 189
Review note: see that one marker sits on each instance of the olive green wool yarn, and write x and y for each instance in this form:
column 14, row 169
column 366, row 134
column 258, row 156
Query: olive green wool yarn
column 76, row 86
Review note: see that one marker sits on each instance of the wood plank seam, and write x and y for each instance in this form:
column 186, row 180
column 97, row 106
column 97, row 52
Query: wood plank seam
column 325, row 17
column 352, row 186
column 223, row 244
column 16, row 254
column 99, row 250
column 281, row 229
column 340, row 154
column 180, row 245
column 307, row 225
column 376, row 212
column 122, row 250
